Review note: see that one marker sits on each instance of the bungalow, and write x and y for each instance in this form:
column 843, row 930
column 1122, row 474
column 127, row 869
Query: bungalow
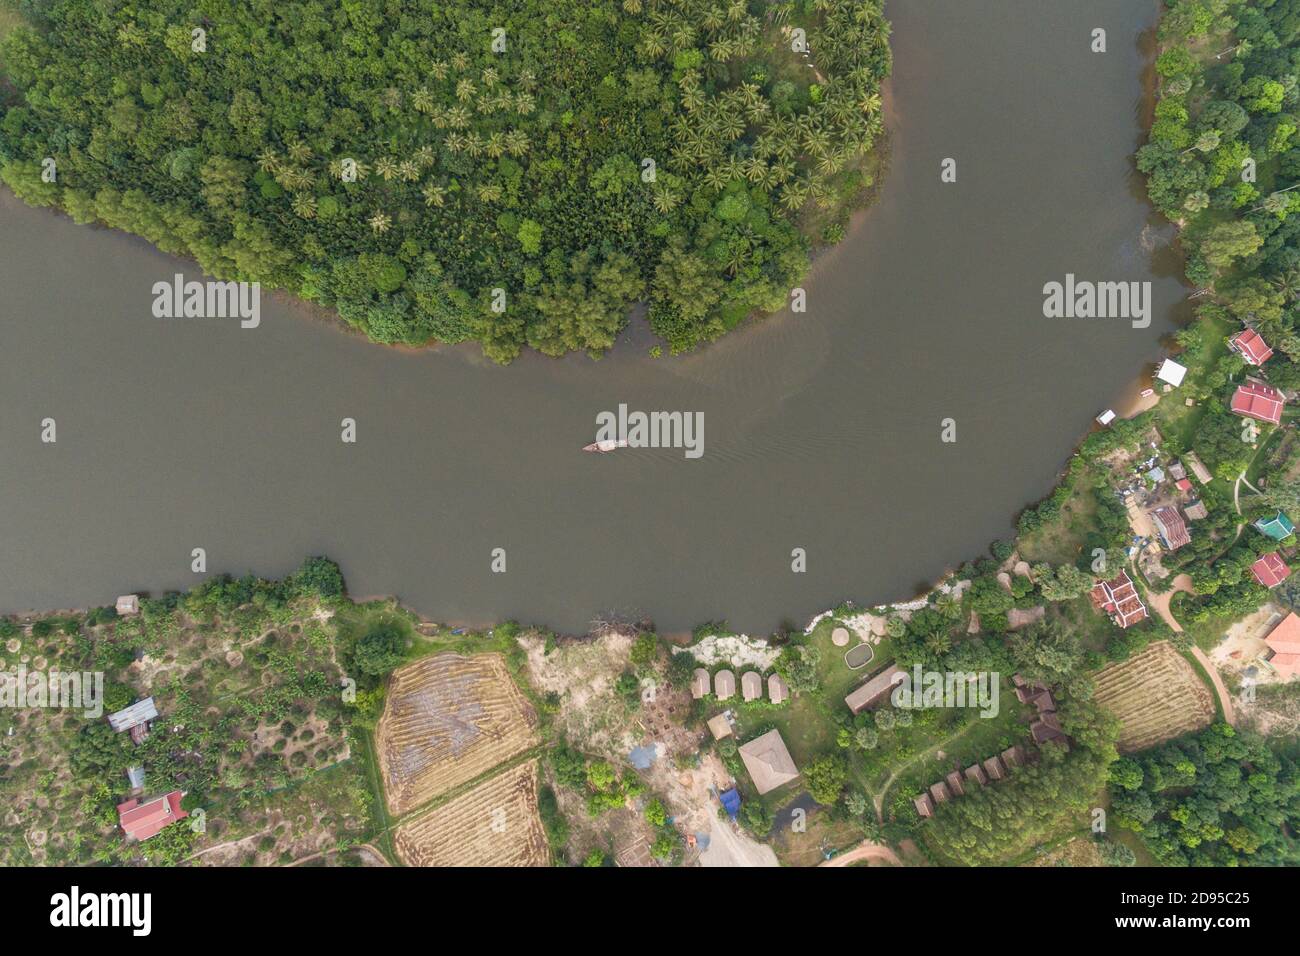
column 768, row 762
column 1198, row 468
column 724, row 685
column 700, row 683
column 924, row 806
column 1119, row 598
column 994, row 768
column 778, row 691
column 1258, row 401
column 140, row 821
column 1196, row 510
column 939, row 792
column 1013, row 757
column 135, row 718
column 1270, row 570
column 127, row 605
column 1284, row 647
column 1171, row 527
column 1250, row 345
column 955, row 785
column 975, row 774
column 876, row 689
column 1047, row 727
column 751, row 685
column 1277, row 527
column 1176, row 471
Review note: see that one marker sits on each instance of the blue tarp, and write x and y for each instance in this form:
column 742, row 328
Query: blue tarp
column 730, row 802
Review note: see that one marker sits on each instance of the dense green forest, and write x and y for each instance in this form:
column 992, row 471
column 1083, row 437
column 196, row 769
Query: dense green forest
column 1218, row 798
column 1224, row 157
column 515, row 172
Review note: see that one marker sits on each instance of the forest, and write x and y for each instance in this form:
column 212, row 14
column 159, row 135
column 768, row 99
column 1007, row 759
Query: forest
column 517, row 173
column 1223, row 162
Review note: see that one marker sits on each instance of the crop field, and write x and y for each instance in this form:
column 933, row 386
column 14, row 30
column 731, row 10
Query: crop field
column 447, row 720
column 1156, row 695
column 494, row 824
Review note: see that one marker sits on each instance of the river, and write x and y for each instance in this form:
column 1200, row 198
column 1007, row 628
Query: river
column 822, row 429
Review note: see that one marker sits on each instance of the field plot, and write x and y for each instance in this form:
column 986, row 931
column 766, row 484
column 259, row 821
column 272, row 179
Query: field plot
column 447, row 720
column 494, row 824
column 1156, row 695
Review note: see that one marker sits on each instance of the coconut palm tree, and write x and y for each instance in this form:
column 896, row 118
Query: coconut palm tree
column 794, row 195
column 489, row 192
column 438, row 70
column 409, row 170
column 299, row 151
column 268, row 161
column 524, row 103
column 425, row 156
column 422, row 100
column 517, row 143
column 496, row 145
column 665, row 200
column 489, row 76
column 305, row 206
column 380, row 223
column 386, row 167
column 465, row 90
column 434, row 195
column 460, row 61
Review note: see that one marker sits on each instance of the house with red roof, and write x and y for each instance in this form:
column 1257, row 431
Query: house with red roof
column 1171, row 527
column 140, row 821
column 1284, row 647
column 1119, row 598
column 1250, row 345
column 1258, row 401
column 1270, row 570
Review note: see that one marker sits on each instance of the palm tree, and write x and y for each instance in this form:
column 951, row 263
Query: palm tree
column 517, row 143
column 474, row 144
column 489, row 76
column 299, row 151
column 524, row 103
column 380, row 223
column 438, row 70
column 434, row 195
column 458, row 117
column 459, row 61
column 496, row 145
column 665, row 200
column 717, row 176
column 268, row 161
column 422, row 100
column 794, row 195
column 409, row 170
column 305, row 206
column 489, row 192
column 465, row 90
column 425, row 156
column 386, row 167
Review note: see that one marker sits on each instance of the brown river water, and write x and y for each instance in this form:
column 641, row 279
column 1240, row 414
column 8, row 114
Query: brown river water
column 822, row 429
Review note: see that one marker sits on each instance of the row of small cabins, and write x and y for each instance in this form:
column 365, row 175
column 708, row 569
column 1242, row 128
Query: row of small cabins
column 1045, row 728
column 723, row 686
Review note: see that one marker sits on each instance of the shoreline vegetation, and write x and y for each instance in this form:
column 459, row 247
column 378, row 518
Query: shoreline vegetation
column 1217, row 794
column 522, row 184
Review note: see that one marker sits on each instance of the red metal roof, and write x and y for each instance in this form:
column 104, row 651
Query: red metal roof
column 1270, row 570
column 140, row 821
column 1119, row 598
column 1259, row 401
column 1252, row 347
column 1173, row 529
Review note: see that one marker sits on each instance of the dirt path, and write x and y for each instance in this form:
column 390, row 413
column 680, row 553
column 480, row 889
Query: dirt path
column 1220, row 689
column 865, row 851
column 1161, row 601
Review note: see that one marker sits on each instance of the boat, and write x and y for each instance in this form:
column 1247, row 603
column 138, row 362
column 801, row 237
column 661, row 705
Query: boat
column 606, row 444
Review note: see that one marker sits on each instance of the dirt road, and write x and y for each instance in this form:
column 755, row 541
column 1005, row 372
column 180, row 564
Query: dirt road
column 865, row 851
